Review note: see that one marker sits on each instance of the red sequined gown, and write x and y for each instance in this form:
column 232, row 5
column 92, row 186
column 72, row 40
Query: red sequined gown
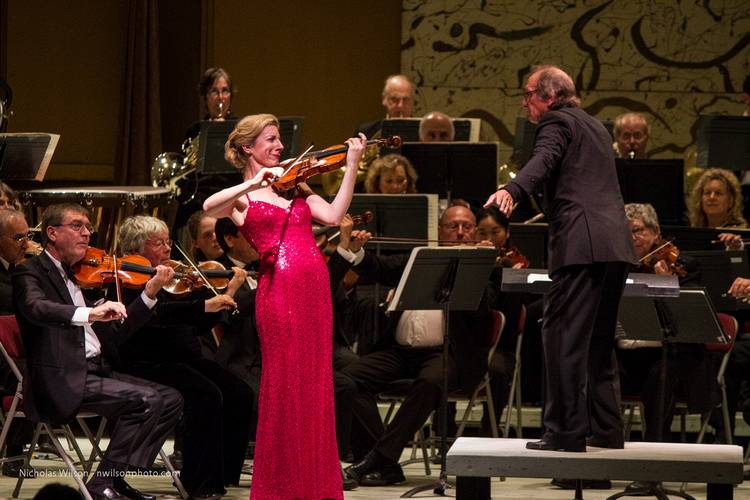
column 295, row 454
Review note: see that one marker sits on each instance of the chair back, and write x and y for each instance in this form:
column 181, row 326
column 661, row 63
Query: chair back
column 496, row 329
column 730, row 327
column 10, row 337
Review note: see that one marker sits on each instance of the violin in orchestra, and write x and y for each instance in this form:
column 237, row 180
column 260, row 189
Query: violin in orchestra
column 666, row 252
column 97, row 269
column 511, row 257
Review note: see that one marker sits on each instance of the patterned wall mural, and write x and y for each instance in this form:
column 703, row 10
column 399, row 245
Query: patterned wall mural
column 669, row 59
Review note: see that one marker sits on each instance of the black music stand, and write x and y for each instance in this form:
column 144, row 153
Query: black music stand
column 454, row 169
column 451, row 279
column 26, row 156
column 687, row 319
column 718, row 269
column 659, row 182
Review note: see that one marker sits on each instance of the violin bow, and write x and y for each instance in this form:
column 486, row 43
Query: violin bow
column 200, row 272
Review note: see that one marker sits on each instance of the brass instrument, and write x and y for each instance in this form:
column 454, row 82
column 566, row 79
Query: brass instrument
column 170, row 167
column 332, row 181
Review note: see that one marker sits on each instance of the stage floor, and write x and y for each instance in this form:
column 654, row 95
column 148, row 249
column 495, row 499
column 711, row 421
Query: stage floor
column 512, row 488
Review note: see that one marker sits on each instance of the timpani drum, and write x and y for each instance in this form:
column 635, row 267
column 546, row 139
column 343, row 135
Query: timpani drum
column 109, row 206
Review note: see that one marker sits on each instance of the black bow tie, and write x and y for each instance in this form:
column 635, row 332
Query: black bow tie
column 69, row 272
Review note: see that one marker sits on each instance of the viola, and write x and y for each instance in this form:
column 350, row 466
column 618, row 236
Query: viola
column 665, row 251
column 298, row 170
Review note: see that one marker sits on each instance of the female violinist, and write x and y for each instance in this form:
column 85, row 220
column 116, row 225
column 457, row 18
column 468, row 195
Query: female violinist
column 218, row 405
column 689, row 367
column 293, row 313
column 716, row 201
column 494, row 226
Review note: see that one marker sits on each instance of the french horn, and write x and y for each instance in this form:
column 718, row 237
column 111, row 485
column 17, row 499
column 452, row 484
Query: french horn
column 169, row 167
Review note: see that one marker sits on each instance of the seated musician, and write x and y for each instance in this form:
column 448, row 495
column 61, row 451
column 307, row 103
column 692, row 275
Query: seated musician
column 202, row 230
column 716, row 201
column 631, row 133
column 216, row 90
column 218, row 405
column 436, row 127
column 411, row 348
column 71, row 346
column 494, row 226
column 391, row 174
column 397, row 99
column 8, row 197
column 689, row 368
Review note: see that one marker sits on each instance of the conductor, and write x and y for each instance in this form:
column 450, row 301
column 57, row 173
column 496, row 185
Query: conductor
column 590, row 250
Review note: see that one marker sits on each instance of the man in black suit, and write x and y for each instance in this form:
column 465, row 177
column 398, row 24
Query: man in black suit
column 14, row 238
column 70, row 344
column 590, row 250
column 411, row 348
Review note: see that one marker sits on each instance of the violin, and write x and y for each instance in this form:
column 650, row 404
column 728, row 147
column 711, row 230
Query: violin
column 511, row 257
column 97, row 269
column 299, row 169
column 668, row 252
column 323, row 241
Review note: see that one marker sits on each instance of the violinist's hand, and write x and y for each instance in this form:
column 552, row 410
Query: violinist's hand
column 359, row 238
column 163, row 275
column 503, row 200
column 731, row 241
column 108, row 311
column 740, row 288
column 356, row 149
column 265, row 177
column 220, row 303
column 345, row 231
column 240, row 277
column 485, row 243
column 517, row 265
column 662, row 268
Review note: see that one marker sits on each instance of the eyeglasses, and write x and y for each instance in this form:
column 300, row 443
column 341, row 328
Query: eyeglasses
column 527, row 95
column 23, row 237
column 160, row 243
column 217, row 92
column 453, row 226
column 78, row 226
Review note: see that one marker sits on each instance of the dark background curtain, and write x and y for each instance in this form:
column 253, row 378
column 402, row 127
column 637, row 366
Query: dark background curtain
column 139, row 132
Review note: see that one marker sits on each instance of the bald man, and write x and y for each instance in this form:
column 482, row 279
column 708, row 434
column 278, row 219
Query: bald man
column 397, row 99
column 436, row 127
column 631, row 136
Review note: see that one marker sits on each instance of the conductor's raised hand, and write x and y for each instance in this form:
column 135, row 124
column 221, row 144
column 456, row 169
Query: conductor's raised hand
column 356, row 149
column 503, row 200
column 108, row 311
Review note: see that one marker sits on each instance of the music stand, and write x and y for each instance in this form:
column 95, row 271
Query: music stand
column 659, row 182
column 723, row 141
column 26, row 156
column 718, row 269
column 451, row 279
column 399, row 219
column 466, row 129
column 454, row 169
column 687, row 319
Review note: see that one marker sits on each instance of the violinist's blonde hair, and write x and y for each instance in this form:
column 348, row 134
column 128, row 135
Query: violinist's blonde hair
column 244, row 134
column 136, row 230
column 734, row 215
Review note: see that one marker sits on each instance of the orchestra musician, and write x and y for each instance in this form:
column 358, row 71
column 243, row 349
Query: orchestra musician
column 589, row 255
column 398, row 101
column 493, row 226
column 689, row 370
column 71, row 347
column 216, row 91
column 436, row 127
column 410, row 348
column 716, row 201
column 218, row 405
column 293, row 313
column 631, row 133
column 391, row 174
